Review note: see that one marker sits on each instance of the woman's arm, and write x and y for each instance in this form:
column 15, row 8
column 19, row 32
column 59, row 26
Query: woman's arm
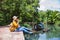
column 18, row 22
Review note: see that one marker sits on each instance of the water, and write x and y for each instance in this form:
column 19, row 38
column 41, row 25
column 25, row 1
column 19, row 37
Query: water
column 54, row 34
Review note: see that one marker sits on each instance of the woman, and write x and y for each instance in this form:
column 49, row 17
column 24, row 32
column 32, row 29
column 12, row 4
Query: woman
column 15, row 27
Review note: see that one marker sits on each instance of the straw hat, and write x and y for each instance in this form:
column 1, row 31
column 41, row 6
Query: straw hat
column 14, row 17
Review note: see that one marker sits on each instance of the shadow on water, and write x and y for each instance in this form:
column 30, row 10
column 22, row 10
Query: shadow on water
column 51, row 35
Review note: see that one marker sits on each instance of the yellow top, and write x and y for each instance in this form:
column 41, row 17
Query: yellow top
column 13, row 26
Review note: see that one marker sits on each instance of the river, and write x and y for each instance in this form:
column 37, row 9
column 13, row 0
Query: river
column 53, row 34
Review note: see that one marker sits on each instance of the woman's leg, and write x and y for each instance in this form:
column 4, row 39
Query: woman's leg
column 26, row 28
column 26, row 31
column 17, row 30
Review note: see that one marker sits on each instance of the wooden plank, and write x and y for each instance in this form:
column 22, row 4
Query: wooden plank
column 5, row 34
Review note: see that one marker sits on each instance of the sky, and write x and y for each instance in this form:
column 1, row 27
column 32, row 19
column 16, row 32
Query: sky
column 49, row 4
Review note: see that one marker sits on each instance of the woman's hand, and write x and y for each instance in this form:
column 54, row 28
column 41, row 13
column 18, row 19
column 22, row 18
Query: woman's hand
column 17, row 20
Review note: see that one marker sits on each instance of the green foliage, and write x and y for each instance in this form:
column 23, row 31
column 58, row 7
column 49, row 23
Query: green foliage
column 24, row 9
column 26, row 25
column 50, row 16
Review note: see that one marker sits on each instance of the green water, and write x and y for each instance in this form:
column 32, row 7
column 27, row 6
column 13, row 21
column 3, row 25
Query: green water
column 53, row 34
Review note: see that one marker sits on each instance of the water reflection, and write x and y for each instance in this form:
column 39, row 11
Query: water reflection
column 32, row 37
column 51, row 35
column 42, row 36
column 54, row 39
